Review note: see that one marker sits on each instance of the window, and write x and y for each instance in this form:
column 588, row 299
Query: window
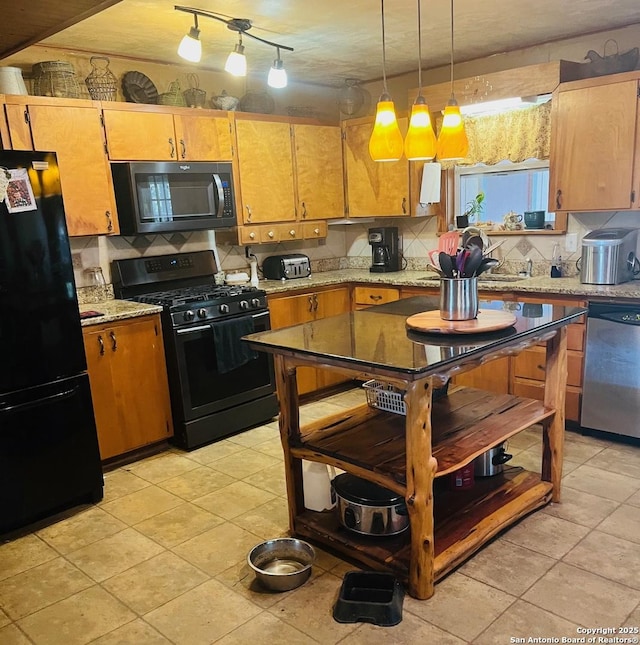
column 517, row 187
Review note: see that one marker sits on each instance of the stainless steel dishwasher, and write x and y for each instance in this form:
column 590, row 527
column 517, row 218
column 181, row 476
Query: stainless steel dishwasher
column 611, row 391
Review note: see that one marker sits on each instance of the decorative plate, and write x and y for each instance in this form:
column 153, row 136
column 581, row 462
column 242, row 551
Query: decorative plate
column 138, row 88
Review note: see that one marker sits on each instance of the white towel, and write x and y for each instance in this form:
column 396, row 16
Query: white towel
column 430, row 187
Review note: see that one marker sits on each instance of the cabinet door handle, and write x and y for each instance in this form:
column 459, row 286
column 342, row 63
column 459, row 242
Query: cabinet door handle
column 310, row 304
column 183, row 149
column 304, row 210
column 292, row 232
column 316, row 231
column 101, row 343
column 248, row 213
column 271, row 234
column 109, row 221
column 315, row 302
column 173, row 148
column 404, row 205
column 114, row 343
column 559, row 199
column 252, row 236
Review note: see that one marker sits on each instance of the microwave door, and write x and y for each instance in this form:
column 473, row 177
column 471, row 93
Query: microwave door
column 219, row 202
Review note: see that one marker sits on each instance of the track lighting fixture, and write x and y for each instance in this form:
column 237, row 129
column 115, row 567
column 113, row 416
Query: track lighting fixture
column 236, row 61
column 191, row 48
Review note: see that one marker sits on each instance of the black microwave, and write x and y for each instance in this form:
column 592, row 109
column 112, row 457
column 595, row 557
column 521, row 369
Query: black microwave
column 166, row 197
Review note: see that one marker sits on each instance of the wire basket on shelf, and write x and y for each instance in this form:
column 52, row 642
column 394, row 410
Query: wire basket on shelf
column 101, row 81
column 55, row 78
column 385, row 396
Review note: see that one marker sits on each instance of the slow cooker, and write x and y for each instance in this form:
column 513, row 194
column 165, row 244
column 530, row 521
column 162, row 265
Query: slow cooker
column 369, row 509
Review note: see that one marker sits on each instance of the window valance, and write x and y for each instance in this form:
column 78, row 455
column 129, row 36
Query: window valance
column 515, row 135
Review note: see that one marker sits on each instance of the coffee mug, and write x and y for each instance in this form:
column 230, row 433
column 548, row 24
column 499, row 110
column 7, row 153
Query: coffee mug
column 534, row 219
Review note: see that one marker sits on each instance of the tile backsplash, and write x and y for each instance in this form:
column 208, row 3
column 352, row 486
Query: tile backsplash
column 346, row 246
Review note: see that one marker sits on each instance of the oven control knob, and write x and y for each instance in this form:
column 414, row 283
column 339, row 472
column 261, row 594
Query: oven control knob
column 189, row 315
column 244, row 304
column 202, row 313
column 255, row 302
column 224, row 309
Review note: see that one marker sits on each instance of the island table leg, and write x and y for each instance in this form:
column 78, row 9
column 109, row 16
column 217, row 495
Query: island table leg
column 554, row 397
column 421, row 470
column 289, row 425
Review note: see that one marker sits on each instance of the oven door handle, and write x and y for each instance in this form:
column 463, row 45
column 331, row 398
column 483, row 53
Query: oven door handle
column 191, row 330
column 260, row 315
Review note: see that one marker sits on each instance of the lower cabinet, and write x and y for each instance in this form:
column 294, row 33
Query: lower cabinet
column 129, row 388
column 286, row 310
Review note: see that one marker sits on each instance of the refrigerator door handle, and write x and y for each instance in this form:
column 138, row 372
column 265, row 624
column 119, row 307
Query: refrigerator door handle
column 42, row 401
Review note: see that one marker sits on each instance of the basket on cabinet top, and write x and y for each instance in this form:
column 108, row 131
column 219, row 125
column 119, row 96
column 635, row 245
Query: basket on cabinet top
column 101, row 81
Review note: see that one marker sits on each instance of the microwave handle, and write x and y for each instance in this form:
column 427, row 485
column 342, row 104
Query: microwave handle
column 218, row 183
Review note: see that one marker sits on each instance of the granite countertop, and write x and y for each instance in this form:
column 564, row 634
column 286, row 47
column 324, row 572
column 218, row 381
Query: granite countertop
column 122, row 309
column 112, row 310
column 541, row 284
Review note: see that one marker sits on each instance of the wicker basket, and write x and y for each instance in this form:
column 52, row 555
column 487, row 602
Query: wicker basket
column 173, row 96
column 101, row 82
column 55, row 78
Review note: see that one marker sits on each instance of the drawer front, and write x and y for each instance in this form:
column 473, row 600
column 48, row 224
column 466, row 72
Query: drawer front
column 535, row 390
column 375, row 295
column 312, row 230
column 531, row 364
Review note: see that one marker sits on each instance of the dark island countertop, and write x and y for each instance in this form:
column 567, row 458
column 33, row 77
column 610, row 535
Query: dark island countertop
column 377, row 340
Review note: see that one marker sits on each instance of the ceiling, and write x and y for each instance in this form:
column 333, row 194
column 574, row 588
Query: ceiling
column 332, row 39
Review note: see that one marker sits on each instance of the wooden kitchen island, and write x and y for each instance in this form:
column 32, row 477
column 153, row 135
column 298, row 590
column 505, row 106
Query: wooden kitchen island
column 441, row 431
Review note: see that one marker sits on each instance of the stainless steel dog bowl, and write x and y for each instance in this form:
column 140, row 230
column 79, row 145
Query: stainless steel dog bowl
column 282, row 564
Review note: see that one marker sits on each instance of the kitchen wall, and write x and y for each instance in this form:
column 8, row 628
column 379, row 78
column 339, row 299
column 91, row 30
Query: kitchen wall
column 346, row 245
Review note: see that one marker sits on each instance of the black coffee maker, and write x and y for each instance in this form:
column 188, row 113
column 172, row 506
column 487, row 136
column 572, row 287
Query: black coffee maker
column 385, row 251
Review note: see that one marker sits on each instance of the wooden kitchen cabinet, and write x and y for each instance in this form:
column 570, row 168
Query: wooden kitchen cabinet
column 143, row 133
column 287, row 310
column 366, row 296
column 594, row 162
column 73, row 131
column 265, row 165
column 318, row 171
column 129, row 387
column 373, row 189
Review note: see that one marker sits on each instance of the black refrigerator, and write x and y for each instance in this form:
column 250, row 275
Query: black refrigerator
column 49, row 458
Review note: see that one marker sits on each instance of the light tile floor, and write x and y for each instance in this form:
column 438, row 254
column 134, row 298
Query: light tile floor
column 162, row 558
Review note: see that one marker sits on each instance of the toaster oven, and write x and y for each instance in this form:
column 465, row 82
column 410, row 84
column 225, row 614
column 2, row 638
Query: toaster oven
column 286, row 267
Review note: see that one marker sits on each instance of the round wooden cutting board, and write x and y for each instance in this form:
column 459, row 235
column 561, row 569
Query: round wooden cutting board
column 487, row 320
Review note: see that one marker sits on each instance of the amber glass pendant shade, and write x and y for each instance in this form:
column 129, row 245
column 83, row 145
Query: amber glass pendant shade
column 386, row 142
column 420, row 142
column 453, row 144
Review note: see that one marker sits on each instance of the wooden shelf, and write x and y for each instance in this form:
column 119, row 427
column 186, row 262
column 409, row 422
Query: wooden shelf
column 464, row 520
column 466, row 423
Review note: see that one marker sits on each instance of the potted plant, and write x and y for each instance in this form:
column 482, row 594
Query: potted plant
column 474, row 208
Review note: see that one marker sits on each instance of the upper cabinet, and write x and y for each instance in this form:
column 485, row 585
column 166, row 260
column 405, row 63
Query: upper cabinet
column 318, row 171
column 373, row 188
column 594, row 164
column 265, row 164
column 73, row 131
column 143, row 133
column 290, row 178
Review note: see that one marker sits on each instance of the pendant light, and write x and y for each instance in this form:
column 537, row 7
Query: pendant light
column 420, row 142
column 385, row 143
column 452, row 144
column 277, row 74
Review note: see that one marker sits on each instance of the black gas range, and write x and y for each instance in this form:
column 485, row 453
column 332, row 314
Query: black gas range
column 218, row 384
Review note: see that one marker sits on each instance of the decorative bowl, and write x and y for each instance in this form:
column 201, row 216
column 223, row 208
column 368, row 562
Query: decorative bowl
column 282, row 564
